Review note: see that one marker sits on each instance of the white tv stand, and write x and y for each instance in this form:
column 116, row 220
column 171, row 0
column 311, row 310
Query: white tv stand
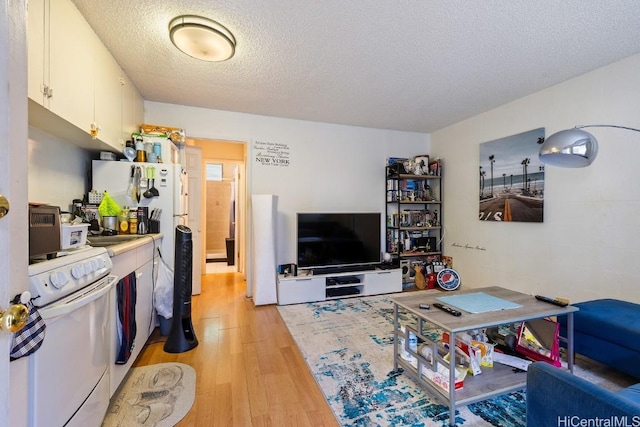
column 308, row 287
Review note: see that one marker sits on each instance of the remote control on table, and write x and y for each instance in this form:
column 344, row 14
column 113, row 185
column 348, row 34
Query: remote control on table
column 551, row 301
column 449, row 310
column 424, row 306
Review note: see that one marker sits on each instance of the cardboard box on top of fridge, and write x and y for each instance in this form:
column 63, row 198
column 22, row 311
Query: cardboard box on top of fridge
column 169, row 153
column 149, row 128
column 176, row 135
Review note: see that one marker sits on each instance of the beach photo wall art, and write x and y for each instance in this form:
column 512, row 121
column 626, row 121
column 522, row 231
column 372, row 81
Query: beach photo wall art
column 511, row 180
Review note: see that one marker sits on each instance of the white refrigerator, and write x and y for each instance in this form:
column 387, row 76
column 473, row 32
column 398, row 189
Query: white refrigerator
column 171, row 185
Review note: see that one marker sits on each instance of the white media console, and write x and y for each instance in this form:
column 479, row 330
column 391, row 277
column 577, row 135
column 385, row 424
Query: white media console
column 307, row 287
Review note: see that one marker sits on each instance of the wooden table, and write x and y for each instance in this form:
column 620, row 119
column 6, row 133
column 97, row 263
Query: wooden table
column 492, row 382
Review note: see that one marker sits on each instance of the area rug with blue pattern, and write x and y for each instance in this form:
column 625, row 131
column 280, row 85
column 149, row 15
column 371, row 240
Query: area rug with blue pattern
column 348, row 346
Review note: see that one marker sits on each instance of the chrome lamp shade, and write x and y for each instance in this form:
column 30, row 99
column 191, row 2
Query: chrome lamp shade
column 202, row 38
column 571, row 148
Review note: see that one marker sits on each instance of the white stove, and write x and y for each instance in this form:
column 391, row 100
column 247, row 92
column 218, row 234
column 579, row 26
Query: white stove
column 69, row 373
column 51, row 280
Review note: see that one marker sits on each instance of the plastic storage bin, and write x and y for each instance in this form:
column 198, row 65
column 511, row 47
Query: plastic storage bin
column 73, row 235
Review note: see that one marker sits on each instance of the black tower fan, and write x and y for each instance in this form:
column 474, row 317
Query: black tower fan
column 182, row 336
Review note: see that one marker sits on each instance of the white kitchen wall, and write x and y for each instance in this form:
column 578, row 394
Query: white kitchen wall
column 332, row 168
column 57, row 170
column 588, row 246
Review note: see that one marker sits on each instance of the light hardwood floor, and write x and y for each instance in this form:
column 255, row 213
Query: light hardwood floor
column 249, row 370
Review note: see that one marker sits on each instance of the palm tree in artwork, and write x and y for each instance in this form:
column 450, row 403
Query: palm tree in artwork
column 492, row 159
column 481, row 183
column 504, row 181
column 525, row 164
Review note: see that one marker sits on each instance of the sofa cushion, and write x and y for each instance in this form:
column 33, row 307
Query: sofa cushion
column 556, row 397
column 610, row 320
column 632, row 393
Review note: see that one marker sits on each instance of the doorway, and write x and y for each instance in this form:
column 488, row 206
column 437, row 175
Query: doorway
column 223, row 206
column 221, row 190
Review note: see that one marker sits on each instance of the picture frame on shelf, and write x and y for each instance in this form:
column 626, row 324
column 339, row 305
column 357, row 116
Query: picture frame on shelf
column 396, row 166
column 435, row 167
column 421, row 165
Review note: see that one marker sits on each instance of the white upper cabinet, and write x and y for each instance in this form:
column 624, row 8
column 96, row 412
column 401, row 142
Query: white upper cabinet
column 71, row 65
column 132, row 109
column 108, row 97
column 37, row 28
column 72, row 75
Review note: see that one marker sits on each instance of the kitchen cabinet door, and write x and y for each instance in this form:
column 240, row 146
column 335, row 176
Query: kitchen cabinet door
column 109, row 82
column 71, row 64
column 138, row 110
column 144, row 304
column 37, row 28
column 139, row 260
column 132, row 109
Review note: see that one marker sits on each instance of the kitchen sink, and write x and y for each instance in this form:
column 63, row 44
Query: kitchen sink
column 104, row 241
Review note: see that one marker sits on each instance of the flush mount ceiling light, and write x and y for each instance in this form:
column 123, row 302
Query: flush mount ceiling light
column 202, row 38
column 572, row 148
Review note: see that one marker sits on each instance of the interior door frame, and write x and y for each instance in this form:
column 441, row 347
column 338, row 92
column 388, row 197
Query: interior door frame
column 242, row 231
column 13, row 185
column 240, row 211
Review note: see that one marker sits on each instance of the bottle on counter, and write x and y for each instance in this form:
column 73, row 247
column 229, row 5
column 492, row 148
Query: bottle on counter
column 123, row 221
column 141, row 154
column 157, row 149
column 133, row 221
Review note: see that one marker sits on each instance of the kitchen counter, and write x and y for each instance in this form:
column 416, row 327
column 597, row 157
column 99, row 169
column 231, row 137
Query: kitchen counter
column 121, row 243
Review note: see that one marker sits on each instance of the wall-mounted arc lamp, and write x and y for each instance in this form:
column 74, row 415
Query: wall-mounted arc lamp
column 572, row 148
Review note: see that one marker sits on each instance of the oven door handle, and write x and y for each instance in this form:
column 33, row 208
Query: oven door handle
column 68, row 305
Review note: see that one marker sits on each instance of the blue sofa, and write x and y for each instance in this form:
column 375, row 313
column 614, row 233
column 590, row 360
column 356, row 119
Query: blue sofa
column 608, row 330
column 555, row 397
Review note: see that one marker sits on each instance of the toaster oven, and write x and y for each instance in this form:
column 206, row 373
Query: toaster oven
column 44, row 230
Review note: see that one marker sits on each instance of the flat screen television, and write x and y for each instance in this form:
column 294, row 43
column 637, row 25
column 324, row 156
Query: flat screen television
column 338, row 239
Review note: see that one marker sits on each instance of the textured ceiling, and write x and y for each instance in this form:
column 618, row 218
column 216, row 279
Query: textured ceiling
column 414, row 65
